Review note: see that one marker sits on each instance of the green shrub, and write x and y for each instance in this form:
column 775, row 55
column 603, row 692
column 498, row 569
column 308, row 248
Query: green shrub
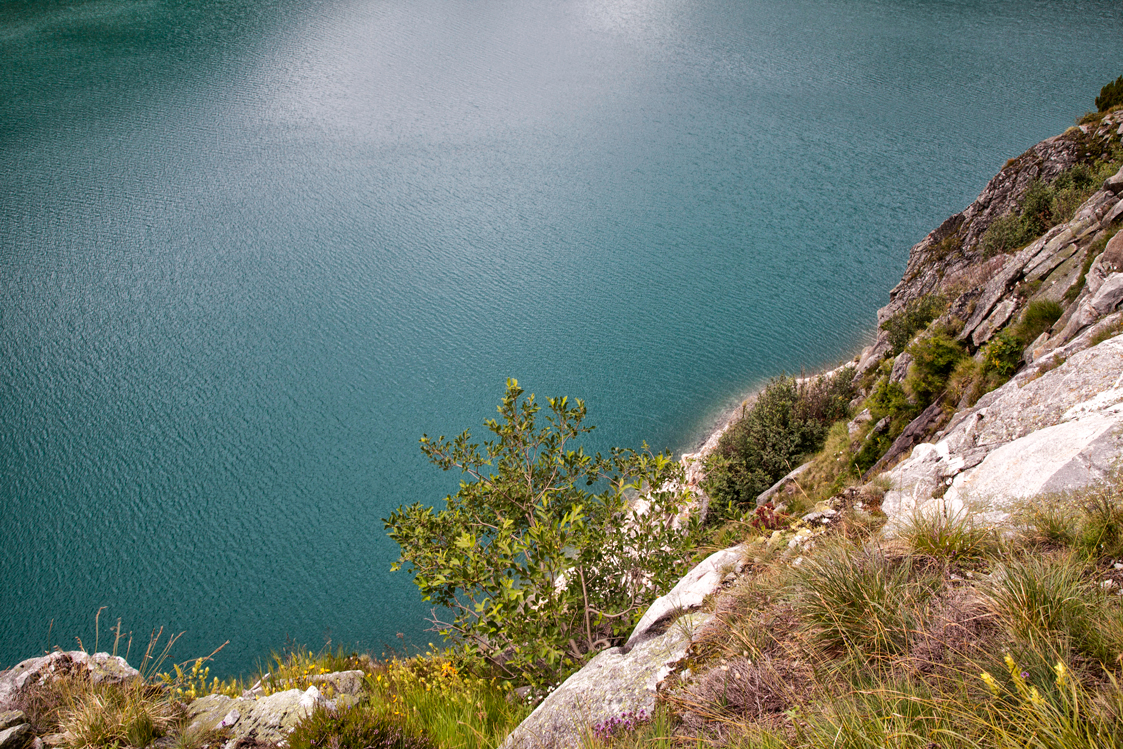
column 1006, row 234
column 787, row 421
column 1003, row 355
column 934, row 359
column 890, row 399
column 1111, row 95
column 916, row 314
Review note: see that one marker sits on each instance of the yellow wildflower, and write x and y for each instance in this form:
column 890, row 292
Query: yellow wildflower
column 1061, row 672
column 990, row 682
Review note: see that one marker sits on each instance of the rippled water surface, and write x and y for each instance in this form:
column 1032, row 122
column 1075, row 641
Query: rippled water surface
column 251, row 250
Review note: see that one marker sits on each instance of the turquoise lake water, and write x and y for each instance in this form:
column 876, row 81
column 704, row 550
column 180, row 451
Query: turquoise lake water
column 251, row 251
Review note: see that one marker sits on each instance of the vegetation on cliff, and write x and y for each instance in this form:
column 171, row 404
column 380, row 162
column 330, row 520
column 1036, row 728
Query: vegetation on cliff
column 953, row 635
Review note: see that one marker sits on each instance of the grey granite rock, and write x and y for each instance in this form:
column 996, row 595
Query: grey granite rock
column 1059, row 430
column 264, row 719
column 689, row 592
column 102, row 668
column 611, row 683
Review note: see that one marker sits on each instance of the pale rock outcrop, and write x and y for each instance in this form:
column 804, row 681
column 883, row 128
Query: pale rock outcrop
column 627, row 679
column 101, row 668
column 900, row 367
column 267, row 720
column 1040, row 432
column 613, row 682
column 689, row 592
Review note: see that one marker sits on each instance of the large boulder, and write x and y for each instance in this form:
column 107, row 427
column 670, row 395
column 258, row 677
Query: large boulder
column 101, row 668
column 688, row 593
column 613, row 682
column 1040, row 432
column 261, row 720
column 626, row 679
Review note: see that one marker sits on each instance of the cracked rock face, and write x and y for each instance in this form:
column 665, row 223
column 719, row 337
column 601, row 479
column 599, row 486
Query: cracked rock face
column 1057, row 431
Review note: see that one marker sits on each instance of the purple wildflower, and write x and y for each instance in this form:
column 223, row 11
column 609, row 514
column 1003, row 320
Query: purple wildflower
column 617, row 725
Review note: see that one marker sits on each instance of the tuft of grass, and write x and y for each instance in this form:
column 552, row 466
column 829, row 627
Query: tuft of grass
column 1051, row 605
column 1088, row 522
column 99, row 716
column 951, row 536
column 860, row 600
column 1038, row 317
column 1106, row 333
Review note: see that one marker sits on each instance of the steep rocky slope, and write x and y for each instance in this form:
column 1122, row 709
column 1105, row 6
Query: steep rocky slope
column 1057, row 424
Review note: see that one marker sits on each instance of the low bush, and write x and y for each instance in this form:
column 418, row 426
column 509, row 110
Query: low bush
column 540, row 559
column 355, row 727
column 917, row 313
column 1111, row 95
column 1006, row 234
column 788, row 420
column 1003, row 355
column 935, row 357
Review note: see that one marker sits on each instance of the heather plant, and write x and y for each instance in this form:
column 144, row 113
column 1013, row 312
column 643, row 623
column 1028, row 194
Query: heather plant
column 354, row 727
column 625, row 722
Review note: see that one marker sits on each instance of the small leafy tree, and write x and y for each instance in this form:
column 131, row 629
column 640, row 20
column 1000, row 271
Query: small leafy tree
column 545, row 554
